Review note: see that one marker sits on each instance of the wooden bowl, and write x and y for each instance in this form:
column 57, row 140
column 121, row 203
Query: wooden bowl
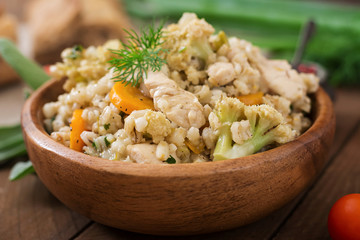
column 175, row 199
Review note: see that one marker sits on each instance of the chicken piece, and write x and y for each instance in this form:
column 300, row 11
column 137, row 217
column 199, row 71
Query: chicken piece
column 143, row 153
column 281, row 79
column 221, row 73
column 180, row 106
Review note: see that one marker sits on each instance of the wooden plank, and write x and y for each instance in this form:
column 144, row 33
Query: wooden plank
column 346, row 122
column 347, row 110
column 341, row 178
column 29, row 211
column 255, row 231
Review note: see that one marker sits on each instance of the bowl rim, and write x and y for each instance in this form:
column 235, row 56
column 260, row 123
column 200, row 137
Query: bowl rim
column 33, row 128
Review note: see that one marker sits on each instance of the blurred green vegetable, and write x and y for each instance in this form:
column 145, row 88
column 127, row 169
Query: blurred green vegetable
column 11, row 143
column 28, row 70
column 275, row 25
column 11, row 139
column 21, row 169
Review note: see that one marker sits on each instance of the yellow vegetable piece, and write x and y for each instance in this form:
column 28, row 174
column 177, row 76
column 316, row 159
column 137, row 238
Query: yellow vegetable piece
column 251, row 99
column 77, row 126
column 196, row 149
column 128, row 98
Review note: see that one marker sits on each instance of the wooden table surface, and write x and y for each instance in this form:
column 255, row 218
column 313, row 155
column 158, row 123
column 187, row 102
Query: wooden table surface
column 29, row 211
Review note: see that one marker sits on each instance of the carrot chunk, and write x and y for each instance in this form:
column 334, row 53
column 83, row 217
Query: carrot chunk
column 251, row 99
column 77, row 126
column 195, row 149
column 128, row 98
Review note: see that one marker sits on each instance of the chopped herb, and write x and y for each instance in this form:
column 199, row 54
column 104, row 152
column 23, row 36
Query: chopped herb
column 20, row 170
column 106, row 126
column 94, row 145
column 107, row 142
column 141, row 54
column 75, row 52
column 182, row 49
column 171, row 160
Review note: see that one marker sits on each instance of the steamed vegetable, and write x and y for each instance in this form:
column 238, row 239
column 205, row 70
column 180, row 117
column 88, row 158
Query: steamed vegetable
column 199, row 47
column 251, row 99
column 195, row 148
column 77, row 126
column 128, row 99
column 262, row 125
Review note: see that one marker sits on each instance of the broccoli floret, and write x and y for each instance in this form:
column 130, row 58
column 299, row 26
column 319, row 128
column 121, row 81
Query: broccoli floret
column 189, row 39
column 266, row 125
column 200, row 48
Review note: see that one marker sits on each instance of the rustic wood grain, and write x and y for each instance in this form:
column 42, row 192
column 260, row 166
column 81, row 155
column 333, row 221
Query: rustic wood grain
column 309, row 221
column 29, row 211
column 347, row 109
column 261, row 229
column 339, row 178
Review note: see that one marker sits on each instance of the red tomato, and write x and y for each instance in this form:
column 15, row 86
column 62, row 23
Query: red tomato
column 47, row 68
column 344, row 218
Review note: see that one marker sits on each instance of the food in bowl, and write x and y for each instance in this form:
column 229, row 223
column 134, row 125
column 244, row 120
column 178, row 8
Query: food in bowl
column 207, row 98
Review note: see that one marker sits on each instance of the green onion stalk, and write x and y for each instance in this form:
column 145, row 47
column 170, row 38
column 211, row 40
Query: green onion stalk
column 11, row 140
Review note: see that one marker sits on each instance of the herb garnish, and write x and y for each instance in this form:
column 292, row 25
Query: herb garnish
column 141, row 54
column 106, row 126
column 107, row 142
column 94, row 145
column 75, row 52
column 170, row 160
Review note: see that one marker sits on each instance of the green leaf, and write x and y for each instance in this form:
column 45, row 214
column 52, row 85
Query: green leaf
column 94, row 145
column 11, row 140
column 106, row 126
column 171, row 160
column 107, row 142
column 76, row 52
column 20, row 170
column 138, row 56
column 6, row 131
column 28, row 70
column 15, row 151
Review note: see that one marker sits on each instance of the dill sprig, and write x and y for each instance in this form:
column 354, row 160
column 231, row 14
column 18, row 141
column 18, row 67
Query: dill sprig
column 139, row 55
